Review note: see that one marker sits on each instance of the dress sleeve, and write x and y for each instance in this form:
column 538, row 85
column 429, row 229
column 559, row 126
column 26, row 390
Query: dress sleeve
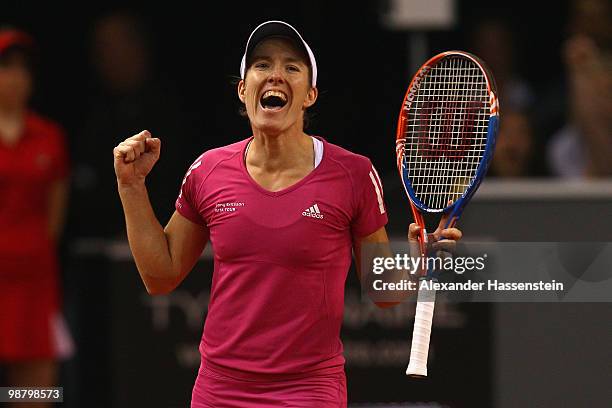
column 370, row 212
column 187, row 201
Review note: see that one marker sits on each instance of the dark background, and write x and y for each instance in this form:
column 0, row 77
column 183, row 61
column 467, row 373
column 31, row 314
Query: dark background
column 363, row 67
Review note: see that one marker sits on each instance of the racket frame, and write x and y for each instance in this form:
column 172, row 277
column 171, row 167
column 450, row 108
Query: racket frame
column 420, row 342
column 456, row 208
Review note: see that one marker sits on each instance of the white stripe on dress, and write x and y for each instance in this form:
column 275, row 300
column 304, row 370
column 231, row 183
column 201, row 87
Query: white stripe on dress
column 379, row 182
column 381, row 206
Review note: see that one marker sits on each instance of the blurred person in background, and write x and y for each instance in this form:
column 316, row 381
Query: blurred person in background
column 33, row 190
column 518, row 141
column 494, row 42
column 582, row 148
column 128, row 94
column 514, row 149
column 128, row 91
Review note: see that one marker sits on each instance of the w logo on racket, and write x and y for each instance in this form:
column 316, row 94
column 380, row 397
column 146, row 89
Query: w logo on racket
column 446, row 128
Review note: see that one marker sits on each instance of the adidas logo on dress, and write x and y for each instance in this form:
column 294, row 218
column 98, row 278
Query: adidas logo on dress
column 313, row 212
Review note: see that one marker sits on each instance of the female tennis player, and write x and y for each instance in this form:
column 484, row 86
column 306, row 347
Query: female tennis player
column 283, row 211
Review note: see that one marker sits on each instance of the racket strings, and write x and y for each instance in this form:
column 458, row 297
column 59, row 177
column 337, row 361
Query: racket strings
column 446, row 132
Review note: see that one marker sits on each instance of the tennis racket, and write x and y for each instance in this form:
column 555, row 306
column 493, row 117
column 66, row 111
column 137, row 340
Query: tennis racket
column 445, row 140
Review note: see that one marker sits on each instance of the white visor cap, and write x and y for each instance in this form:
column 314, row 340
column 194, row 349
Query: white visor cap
column 277, row 28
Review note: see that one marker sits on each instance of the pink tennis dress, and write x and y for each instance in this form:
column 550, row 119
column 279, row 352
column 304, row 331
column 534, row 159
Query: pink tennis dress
column 272, row 334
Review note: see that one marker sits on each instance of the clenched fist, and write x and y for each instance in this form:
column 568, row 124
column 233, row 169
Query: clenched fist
column 135, row 157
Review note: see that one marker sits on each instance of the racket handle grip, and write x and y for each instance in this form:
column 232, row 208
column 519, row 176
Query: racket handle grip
column 422, row 330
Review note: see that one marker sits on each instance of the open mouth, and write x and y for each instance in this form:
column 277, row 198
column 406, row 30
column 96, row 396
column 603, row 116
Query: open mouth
column 273, row 100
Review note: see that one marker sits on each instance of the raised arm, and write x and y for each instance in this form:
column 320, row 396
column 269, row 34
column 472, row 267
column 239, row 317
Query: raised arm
column 377, row 245
column 163, row 256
